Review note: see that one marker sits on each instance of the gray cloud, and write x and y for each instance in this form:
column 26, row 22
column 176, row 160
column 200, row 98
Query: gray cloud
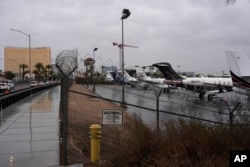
column 189, row 33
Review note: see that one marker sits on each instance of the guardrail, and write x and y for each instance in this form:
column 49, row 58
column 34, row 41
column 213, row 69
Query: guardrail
column 8, row 99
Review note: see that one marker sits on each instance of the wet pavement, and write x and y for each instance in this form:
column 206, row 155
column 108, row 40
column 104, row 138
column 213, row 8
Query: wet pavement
column 29, row 131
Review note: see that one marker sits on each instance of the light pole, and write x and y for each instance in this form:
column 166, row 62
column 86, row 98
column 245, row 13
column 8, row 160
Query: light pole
column 95, row 49
column 125, row 14
column 52, row 69
column 29, row 36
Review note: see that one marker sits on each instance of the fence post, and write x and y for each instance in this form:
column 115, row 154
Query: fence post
column 231, row 113
column 66, row 63
column 157, row 93
column 95, row 137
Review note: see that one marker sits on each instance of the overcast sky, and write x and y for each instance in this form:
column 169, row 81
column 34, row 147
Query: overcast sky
column 193, row 34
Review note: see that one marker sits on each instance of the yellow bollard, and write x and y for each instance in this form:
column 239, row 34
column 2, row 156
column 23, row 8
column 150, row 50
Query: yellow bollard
column 95, row 137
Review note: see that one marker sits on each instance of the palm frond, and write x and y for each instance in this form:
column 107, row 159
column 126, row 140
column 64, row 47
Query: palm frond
column 229, row 2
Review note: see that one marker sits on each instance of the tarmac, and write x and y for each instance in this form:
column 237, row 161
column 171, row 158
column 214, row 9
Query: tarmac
column 29, row 131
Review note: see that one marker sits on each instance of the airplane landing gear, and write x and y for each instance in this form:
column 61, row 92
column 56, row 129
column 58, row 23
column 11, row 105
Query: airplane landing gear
column 210, row 97
column 202, row 94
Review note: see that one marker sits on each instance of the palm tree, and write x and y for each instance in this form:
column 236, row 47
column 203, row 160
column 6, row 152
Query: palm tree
column 1, row 73
column 39, row 70
column 48, row 71
column 230, row 1
column 36, row 74
column 23, row 67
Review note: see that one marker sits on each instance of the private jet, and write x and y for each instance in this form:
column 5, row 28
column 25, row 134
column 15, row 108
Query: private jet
column 205, row 86
column 108, row 76
column 132, row 76
column 153, row 82
column 128, row 78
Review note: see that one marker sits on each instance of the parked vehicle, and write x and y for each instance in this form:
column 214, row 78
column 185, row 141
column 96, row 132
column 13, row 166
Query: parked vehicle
column 4, row 87
column 9, row 83
column 41, row 83
column 33, row 83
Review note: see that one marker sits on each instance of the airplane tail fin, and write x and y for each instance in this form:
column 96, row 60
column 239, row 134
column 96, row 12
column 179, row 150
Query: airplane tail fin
column 238, row 63
column 239, row 69
column 142, row 76
column 168, row 72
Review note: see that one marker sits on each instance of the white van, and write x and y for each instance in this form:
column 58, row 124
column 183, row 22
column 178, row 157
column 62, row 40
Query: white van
column 9, row 83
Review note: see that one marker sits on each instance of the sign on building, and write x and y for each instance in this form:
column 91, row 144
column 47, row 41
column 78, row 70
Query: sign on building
column 89, row 62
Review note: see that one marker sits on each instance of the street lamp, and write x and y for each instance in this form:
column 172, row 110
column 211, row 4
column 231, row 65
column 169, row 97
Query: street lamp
column 125, row 14
column 95, row 49
column 29, row 36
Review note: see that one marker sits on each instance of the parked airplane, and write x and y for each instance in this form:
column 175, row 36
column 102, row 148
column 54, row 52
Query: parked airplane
column 132, row 76
column 139, row 80
column 205, row 86
column 156, row 82
column 108, row 76
column 128, row 78
column 240, row 71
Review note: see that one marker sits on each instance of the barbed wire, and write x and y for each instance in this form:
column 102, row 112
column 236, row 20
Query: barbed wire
column 66, row 62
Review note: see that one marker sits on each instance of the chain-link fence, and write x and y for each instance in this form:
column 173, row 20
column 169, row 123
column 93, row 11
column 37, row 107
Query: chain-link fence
column 66, row 62
column 155, row 106
column 175, row 105
column 158, row 106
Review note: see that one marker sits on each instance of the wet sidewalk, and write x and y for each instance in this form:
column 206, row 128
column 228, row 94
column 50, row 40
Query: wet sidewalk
column 29, row 131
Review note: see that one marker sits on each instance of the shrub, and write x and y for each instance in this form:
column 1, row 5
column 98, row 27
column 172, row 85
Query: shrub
column 180, row 143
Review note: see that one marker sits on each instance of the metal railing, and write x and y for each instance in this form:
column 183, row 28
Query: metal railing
column 12, row 97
